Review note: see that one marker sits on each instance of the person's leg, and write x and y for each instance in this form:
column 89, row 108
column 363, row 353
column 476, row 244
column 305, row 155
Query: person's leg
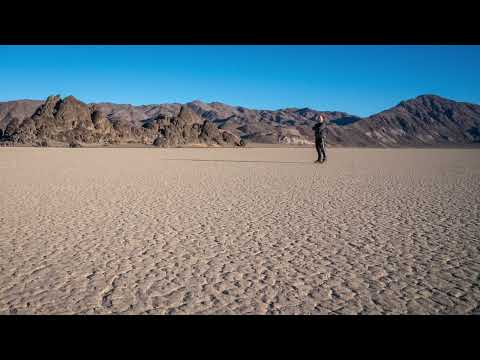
column 319, row 151
column 323, row 151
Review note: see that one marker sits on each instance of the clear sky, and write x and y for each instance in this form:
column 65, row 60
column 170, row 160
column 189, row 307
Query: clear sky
column 361, row 80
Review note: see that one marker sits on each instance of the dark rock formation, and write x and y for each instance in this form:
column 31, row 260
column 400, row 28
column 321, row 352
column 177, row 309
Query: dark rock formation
column 100, row 121
column 26, row 132
column 74, row 144
column 160, row 142
column 73, row 122
column 48, row 109
column 73, row 114
column 189, row 128
column 44, row 143
column 12, row 127
column 210, row 132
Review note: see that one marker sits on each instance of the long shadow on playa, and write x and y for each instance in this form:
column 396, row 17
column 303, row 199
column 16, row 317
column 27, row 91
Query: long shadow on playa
column 244, row 161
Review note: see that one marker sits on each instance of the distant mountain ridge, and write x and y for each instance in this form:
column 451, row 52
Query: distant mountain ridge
column 17, row 109
column 426, row 120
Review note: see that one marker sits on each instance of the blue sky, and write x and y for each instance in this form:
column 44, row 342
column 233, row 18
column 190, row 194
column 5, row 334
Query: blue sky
column 361, row 80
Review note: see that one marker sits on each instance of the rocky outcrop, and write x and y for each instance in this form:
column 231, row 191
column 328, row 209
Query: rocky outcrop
column 69, row 121
column 73, row 114
column 12, row 127
column 44, row 143
column 100, row 121
column 49, row 108
column 74, row 144
column 189, row 128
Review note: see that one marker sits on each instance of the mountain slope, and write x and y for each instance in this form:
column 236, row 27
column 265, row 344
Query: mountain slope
column 19, row 109
column 425, row 120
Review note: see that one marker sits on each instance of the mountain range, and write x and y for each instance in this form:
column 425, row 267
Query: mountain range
column 427, row 120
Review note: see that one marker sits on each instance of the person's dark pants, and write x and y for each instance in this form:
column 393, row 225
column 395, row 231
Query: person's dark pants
column 320, row 146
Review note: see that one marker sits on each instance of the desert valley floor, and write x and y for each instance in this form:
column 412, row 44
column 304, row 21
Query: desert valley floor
column 239, row 231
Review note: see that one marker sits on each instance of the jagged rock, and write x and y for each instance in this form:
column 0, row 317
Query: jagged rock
column 122, row 128
column 48, row 109
column 191, row 133
column 74, row 144
column 100, row 121
column 171, row 136
column 73, row 114
column 42, row 143
column 26, row 132
column 84, row 135
column 45, row 143
column 152, row 126
column 160, row 142
column 210, row 133
column 61, row 120
column 229, row 138
column 12, row 127
column 187, row 128
column 188, row 117
column 45, row 127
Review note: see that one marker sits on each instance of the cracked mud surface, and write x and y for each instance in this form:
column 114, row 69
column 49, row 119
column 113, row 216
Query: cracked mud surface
column 239, row 231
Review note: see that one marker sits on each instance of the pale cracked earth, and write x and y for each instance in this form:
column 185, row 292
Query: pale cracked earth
column 239, row 231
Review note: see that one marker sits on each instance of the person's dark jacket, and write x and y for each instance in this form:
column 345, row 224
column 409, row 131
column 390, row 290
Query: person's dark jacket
column 320, row 131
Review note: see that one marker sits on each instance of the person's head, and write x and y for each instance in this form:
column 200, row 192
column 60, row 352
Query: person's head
column 320, row 118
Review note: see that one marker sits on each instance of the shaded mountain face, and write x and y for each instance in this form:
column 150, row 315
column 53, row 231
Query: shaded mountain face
column 425, row 120
column 19, row 109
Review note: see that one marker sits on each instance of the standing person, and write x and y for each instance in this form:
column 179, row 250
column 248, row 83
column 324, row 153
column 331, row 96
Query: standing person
column 319, row 130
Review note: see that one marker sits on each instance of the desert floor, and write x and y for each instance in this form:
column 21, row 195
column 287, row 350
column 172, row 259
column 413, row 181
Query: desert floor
column 239, row 231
